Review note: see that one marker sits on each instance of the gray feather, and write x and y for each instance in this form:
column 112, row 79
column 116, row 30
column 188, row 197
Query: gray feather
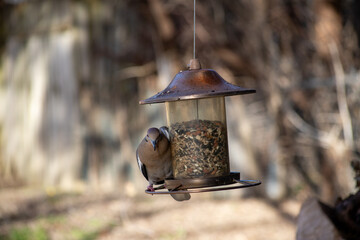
column 141, row 166
column 165, row 131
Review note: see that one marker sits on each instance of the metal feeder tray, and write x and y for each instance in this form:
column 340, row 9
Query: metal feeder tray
column 200, row 185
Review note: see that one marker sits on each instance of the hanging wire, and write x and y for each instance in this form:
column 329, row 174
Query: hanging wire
column 194, row 26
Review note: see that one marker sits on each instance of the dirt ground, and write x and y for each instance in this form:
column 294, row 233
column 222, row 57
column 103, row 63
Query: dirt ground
column 29, row 214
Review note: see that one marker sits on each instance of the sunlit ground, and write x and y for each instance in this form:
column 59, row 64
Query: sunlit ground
column 32, row 214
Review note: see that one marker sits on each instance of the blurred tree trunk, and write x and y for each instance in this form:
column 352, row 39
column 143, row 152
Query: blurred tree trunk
column 39, row 110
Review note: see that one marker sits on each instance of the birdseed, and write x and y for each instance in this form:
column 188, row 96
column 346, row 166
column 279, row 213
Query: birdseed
column 199, row 149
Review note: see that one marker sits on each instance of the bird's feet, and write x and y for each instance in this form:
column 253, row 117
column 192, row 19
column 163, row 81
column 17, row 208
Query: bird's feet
column 150, row 188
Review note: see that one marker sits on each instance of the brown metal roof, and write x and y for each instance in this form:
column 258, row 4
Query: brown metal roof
column 194, row 84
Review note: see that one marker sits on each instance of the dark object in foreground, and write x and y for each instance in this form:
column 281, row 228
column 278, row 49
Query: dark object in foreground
column 345, row 216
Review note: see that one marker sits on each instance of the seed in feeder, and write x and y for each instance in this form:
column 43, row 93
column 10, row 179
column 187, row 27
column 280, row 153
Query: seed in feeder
column 199, row 149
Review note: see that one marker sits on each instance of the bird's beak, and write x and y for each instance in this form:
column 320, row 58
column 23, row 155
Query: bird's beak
column 154, row 144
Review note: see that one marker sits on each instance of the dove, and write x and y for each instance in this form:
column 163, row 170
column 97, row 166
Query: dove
column 153, row 157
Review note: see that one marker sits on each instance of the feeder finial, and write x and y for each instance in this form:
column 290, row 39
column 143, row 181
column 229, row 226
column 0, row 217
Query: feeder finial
column 194, row 64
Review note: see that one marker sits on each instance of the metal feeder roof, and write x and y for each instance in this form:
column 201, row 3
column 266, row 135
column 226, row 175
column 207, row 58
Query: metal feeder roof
column 196, row 83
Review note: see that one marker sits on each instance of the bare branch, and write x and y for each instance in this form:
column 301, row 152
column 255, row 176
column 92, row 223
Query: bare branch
column 137, row 71
column 341, row 96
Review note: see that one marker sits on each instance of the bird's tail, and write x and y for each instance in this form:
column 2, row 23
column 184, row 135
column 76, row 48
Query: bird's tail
column 180, row 196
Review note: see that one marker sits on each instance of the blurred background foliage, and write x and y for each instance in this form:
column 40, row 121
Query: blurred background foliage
column 72, row 73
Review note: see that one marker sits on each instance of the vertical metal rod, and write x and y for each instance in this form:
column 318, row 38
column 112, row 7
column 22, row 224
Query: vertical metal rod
column 197, row 109
column 194, row 26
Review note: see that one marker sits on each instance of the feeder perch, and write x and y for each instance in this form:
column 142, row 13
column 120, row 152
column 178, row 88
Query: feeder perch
column 196, row 117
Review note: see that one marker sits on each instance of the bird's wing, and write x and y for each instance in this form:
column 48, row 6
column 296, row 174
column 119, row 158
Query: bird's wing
column 165, row 130
column 142, row 167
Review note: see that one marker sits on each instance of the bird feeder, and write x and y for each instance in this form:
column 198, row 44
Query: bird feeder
column 196, row 117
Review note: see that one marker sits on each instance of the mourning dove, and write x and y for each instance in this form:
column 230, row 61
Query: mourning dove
column 153, row 157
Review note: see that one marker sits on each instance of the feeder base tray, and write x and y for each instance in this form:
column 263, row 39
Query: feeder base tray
column 198, row 185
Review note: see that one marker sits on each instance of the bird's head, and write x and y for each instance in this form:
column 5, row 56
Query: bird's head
column 153, row 137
